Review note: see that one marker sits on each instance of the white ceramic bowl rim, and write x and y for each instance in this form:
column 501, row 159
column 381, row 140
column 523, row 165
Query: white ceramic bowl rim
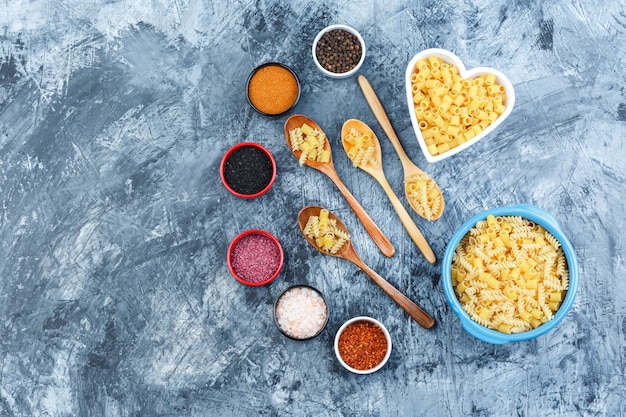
column 540, row 217
column 387, row 336
column 338, row 74
column 465, row 73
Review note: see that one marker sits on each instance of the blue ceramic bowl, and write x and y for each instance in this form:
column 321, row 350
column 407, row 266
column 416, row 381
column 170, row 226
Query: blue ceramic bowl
column 541, row 218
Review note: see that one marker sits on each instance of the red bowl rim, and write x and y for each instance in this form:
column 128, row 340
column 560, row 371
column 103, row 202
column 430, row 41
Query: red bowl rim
column 241, row 236
column 229, row 153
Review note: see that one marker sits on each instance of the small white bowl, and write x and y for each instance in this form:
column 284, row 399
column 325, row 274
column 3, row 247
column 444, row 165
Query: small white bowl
column 338, row 75
column 387, row 336
column 450, row 58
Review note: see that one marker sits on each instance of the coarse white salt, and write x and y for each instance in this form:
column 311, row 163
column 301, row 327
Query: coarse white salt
column 301, row 312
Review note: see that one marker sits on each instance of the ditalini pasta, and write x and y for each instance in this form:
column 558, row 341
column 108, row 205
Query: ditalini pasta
column 310, row 142
column 325, row 232
column 360, row 149
column 509, row 274
column 423, row 195
column 452, row 110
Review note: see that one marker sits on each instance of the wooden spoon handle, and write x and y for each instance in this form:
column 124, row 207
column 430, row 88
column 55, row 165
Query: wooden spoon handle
column 408, row 223
column 381, row 116
column 377, row 235
column 415, row 311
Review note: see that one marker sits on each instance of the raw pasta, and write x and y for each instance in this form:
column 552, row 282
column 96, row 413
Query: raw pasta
column 324, row 231
column 360, row 149
column 310, row 142
column 423, row 195
column 451, row 110
column 509, row 274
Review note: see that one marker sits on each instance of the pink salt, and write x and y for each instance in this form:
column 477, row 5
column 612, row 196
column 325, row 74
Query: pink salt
column 255, row 258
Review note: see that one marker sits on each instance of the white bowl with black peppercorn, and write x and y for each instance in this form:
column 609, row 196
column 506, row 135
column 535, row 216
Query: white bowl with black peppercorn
column 338, row 51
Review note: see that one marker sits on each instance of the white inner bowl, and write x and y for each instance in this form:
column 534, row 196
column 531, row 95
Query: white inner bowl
column 450, row 58
column 339, row 74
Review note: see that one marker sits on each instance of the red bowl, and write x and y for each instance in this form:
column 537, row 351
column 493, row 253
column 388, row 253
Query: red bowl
column 255, row 257
column 229, row 153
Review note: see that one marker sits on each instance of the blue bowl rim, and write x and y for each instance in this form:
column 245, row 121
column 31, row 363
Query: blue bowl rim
column 538, row 216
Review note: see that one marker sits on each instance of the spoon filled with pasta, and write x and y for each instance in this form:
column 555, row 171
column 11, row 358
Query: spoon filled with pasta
column 309, row 144
column 327, row 233
column 421, row 190
column 363, row 149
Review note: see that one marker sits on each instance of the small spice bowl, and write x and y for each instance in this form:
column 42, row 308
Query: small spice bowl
column 255, row 257
column 273, row 89
column 301, row 312
column 348, row 58
column 248, row 170
column 363, row 345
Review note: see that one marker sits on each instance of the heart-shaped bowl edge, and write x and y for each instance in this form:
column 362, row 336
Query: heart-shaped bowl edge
column 465, row 73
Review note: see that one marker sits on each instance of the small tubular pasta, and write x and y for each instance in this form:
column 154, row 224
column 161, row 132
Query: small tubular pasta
column 517, row 283
column 324, row 231
column 423, row 195
column 310, row 142
column 443, row 99
column 360, row 149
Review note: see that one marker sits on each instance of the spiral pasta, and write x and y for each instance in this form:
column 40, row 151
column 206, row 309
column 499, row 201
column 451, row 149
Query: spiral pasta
column 310, row 142
column 423, row 195
column 512, row 268
column 324, row 231
column 360, row 148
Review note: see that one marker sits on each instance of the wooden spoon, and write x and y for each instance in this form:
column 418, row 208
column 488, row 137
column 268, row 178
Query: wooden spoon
column 375, row 168
column 347, row 252
column 410, row 169
column 379, row 238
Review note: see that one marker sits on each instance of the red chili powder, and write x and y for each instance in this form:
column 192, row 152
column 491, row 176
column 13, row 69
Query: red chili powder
column 362, row 345
column 255, row 258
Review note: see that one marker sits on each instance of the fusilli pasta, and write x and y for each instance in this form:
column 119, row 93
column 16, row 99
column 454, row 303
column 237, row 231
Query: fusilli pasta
column 513, row 269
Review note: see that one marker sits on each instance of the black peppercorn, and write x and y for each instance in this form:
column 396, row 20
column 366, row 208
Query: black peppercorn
column 338, row 51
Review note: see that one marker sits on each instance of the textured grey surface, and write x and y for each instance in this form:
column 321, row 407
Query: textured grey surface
column 114, row 294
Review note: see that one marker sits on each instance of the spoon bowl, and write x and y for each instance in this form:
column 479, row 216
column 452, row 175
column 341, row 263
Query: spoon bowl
column 379, row 238
column 347, row 251
column 372, row 164
column 303, row 218
column 432, row 205
column 297, row 121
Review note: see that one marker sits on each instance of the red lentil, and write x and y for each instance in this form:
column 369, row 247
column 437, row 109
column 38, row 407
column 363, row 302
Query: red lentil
column 273, row 89
column 362, row 345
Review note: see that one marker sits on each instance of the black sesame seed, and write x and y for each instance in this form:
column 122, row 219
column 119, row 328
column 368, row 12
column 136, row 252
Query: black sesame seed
column 248, row 170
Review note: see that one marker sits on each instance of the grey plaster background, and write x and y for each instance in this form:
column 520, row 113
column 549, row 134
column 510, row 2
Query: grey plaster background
column 115, row 299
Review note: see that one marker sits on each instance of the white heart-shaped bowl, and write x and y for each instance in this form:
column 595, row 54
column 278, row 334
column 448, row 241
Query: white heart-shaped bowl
column 452, row 59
